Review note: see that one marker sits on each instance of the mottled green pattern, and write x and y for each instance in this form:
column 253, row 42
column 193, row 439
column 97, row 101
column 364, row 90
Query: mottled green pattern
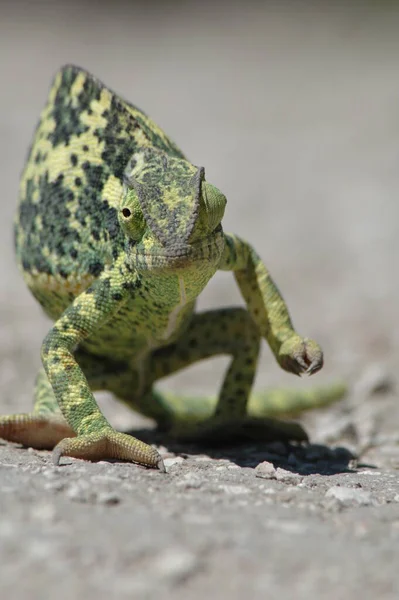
column 116, row 235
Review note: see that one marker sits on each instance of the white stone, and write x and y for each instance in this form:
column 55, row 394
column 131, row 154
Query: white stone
column 265, row 469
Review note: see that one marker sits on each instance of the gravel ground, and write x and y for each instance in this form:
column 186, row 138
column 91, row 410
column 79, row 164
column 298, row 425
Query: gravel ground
column 294, row 113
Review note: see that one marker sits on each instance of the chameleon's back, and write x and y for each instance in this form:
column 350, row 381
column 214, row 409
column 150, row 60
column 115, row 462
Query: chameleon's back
column 66, row 228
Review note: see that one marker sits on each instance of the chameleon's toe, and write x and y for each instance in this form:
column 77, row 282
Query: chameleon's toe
column 108, row 444
column 300, row 355
column 239, row 430
column 41, row 431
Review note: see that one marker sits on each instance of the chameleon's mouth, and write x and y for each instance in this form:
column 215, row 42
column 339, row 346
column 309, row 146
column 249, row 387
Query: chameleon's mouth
column 208, row 250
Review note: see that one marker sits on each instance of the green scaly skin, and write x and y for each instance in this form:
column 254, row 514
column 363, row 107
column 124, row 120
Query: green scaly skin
column 116, row 236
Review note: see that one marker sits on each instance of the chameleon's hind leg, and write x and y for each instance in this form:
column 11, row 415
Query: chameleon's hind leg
column 228, row 331
column 44, row 427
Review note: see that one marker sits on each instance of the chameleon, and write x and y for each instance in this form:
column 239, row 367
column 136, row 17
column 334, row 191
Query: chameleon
column 116, row 235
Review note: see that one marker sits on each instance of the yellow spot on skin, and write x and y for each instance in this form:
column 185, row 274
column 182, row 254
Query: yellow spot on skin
column 104, row 103
column 77, row 86
column 112, row 191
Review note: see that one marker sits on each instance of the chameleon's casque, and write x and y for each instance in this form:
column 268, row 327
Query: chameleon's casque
column 116, row 235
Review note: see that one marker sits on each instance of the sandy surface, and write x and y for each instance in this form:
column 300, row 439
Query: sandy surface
column 294, row 113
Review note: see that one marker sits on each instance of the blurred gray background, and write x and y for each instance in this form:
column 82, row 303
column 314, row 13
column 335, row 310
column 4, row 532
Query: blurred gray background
column 293, row 109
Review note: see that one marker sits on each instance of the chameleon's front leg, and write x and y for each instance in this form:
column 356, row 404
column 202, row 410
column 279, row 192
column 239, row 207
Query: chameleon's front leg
column 96, row 439
column 294, row 354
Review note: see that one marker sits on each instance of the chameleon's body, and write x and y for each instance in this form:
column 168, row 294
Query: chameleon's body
column 116, row 235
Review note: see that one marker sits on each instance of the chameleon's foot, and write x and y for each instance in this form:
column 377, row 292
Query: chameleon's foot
column 41, row 431
column 241, row 429
column 300, row 355
column 108, row 444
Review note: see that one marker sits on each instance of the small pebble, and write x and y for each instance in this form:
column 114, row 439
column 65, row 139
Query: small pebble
column 265, row 469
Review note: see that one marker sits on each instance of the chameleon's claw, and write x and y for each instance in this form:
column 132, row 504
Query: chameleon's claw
column 294, row 367
column 161, row 466
column 314, row 367
column 299, row 365
column 56, row 455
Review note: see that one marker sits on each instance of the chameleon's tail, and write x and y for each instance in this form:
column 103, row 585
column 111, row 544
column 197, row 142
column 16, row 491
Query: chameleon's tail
column 274, row 403
column 289, row 403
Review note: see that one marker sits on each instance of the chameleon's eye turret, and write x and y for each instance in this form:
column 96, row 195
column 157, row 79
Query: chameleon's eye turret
column 131, row 217
column 215, row 203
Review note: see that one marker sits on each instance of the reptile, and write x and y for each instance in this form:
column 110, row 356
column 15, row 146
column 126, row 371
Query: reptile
column 116, row 235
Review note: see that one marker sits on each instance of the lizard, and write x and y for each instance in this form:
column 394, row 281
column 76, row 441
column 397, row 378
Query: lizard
column 116, row 235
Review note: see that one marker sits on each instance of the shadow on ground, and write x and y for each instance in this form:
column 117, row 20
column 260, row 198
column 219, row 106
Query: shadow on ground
column 303, row 458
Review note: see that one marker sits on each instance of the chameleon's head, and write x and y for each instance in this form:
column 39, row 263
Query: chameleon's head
column 170, row 215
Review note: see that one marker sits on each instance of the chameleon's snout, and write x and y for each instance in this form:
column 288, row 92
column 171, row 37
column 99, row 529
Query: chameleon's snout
column 179, row 255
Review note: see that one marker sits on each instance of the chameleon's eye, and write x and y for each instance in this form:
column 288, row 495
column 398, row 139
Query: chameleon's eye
column 215, row 203
column 131, row 216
